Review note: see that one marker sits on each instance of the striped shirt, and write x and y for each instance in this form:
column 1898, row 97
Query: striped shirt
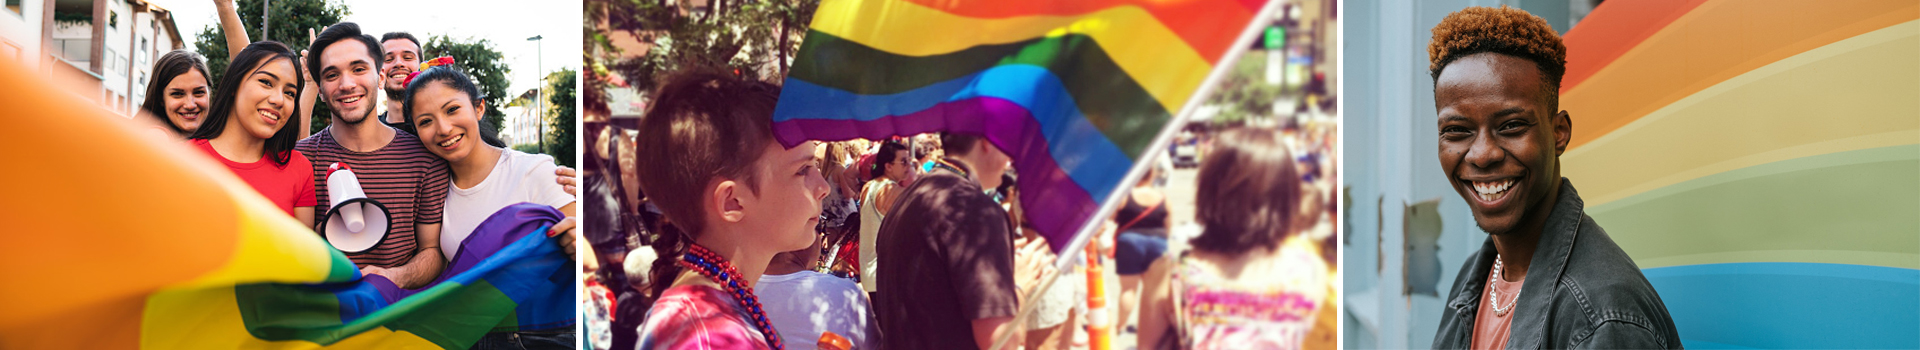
column 402, row 176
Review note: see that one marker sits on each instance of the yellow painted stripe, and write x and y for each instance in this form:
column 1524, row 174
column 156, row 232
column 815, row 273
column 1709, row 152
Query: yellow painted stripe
column 1853, row 94
column 209, row 318
column 1146, row 49
column 1716, row 41
column 273, row 248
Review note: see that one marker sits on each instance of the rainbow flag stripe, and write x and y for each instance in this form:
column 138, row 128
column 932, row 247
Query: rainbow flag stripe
column 122, row 239
column 1074, row 92
column 507, row 277
column 1760, row 160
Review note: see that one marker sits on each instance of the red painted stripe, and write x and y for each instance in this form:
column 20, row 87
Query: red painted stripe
column 1612, row 29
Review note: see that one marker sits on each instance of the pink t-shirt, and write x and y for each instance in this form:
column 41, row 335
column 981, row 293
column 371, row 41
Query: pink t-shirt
column 1490, row 329
column 287, row 185
column 698, row 317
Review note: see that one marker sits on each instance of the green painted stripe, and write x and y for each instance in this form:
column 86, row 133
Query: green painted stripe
column 341, row 269
column 450, row 314
column 1109, row 97
column 1847, row 257
column 509, row 324
column 466, row 315
column 1855, row 207
column 275, row 311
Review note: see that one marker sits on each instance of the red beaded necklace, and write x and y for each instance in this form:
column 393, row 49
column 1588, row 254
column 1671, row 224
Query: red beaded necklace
column 713, row 266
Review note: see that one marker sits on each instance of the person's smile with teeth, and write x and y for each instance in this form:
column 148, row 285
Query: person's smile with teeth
column 1491, row 191
column 350, row 97
column 398, row 74
column 451, row 141
column 272, row 116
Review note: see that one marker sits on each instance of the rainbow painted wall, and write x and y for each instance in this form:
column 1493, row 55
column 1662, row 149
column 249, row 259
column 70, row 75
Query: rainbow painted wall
column 1760, row 160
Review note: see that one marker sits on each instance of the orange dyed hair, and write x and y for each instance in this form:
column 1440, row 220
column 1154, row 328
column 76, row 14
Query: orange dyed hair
column 1504, row 30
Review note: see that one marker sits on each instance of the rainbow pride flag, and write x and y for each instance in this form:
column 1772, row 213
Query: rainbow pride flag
column 117, row 238
column 1760, row 160
column 1073, row 91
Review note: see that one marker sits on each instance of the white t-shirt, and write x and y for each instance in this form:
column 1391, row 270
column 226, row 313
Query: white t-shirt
column 518, row 177
column 804, row 304
column 870, row 219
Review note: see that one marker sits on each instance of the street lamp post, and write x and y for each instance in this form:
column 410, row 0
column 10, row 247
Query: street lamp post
column 538, row 94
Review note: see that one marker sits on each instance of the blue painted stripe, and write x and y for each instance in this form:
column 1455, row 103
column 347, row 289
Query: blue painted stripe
column 1792, row 305
column 1081, row 150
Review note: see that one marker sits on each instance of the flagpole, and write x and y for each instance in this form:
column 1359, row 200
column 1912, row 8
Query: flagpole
column 1140, row 166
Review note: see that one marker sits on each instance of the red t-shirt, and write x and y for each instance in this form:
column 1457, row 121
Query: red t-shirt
column 288, row 186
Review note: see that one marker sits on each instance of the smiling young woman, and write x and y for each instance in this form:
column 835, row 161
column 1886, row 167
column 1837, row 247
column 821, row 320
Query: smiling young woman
column 247, row 127
column 445, row 107
column 177, row 94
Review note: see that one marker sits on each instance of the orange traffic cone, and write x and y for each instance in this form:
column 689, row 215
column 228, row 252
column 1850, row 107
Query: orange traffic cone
column 1099, row 326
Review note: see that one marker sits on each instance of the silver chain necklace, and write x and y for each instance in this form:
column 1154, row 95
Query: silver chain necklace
column 1493, row 294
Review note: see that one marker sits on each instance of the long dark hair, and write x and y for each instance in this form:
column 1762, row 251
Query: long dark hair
column 702, row 125
column 889, row 152
column 453, row 78
column 169, row 66
column 280, row 146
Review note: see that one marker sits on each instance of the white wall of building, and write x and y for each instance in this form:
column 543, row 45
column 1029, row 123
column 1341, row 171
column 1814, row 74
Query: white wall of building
column 131, row 42
column 20, row 33
column 114, row 55
column 523, row 126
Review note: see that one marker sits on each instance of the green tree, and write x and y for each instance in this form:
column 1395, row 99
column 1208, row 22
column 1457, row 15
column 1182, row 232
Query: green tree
column 560, row 115
column 527, row 148
column 290, row 18
column 479, row 60
column 1244, row 92
column 768, row 30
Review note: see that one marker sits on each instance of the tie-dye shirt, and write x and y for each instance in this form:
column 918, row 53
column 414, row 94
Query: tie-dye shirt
column 1223, row 314
column 698, row 317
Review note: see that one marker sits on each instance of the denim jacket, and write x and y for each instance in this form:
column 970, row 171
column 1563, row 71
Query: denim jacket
column 1581, row 291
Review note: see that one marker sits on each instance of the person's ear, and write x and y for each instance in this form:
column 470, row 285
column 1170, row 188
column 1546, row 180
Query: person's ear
column 725, row 201
column 1562, row 132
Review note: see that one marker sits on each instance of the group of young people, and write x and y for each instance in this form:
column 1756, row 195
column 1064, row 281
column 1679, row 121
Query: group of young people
column 427, row 159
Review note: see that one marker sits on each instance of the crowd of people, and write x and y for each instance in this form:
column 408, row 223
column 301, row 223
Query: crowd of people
column 707, row 232
column 433, row 165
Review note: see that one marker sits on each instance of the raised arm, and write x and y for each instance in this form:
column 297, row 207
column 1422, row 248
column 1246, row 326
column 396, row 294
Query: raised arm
column 230, row 24
column 308, row 95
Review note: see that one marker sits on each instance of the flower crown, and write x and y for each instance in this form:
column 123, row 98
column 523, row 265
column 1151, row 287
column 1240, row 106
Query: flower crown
column 441, row 61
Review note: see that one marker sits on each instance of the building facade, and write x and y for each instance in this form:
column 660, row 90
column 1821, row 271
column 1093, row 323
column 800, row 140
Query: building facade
column 102, row 50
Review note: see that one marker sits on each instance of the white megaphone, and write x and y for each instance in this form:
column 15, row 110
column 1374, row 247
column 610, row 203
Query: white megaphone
column 354, row 222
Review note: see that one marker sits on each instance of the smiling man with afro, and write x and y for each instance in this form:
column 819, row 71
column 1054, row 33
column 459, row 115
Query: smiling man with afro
column 1547, row 275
